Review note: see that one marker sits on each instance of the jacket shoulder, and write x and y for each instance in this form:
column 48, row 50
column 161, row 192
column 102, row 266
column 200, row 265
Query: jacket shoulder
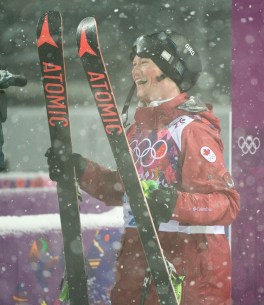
column 177, row 126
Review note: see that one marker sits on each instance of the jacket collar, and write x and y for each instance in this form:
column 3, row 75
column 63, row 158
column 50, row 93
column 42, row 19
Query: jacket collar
column 160, row 116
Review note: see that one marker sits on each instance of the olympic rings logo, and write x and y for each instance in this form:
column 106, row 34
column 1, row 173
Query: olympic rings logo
column 146, row 153
column 249, row 144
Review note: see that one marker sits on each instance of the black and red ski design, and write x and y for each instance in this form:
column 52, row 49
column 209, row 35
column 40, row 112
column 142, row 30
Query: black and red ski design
column 95, row 70
column 50, row 48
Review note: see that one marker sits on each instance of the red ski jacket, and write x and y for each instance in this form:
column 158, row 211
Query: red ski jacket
column 193, row 162
column 176, row 143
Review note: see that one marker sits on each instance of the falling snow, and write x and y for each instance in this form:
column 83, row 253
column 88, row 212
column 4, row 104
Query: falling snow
column 31, row 265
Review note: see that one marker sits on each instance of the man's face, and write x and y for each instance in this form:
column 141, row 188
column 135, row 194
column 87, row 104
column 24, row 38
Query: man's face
column 144, row 74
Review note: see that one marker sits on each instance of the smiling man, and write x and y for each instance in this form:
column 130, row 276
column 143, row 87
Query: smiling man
column 177, row 148
column 147, row 76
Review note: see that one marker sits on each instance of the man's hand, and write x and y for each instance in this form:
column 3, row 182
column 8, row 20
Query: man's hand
column 149, row 186
column 162, row 202
column 58, row 164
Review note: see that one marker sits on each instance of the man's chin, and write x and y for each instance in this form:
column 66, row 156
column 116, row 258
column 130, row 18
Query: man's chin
column 142, row 96
column 143, row 99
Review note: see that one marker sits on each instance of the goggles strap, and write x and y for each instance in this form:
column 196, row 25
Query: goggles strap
column 124, row 113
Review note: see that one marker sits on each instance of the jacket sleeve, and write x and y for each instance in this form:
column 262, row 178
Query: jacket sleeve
column 208, row 196
column 102, row 183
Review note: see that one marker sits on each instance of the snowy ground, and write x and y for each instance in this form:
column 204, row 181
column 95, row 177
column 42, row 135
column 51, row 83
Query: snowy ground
column 44, row 223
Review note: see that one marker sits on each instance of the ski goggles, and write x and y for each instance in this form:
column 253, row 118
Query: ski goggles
column 152, row 45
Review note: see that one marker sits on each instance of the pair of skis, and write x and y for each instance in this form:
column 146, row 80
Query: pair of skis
column 49, row 34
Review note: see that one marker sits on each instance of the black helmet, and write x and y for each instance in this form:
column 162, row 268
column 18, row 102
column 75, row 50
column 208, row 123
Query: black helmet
column 173, row 54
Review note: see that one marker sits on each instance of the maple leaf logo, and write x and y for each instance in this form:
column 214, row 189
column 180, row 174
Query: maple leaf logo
column 206, row 151
column 208, row 154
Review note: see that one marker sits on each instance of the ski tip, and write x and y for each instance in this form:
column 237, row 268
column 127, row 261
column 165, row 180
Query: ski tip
column 87, row 25
column 43, row 28
column 87, row 22
column 51, row 15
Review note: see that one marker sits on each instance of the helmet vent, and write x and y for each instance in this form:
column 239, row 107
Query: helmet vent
column 180, row 68
column 167, row 56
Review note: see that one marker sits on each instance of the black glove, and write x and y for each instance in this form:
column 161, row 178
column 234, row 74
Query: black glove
column 8, row 79
column 3, row 106
column 58, row 164
column 162, row 202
